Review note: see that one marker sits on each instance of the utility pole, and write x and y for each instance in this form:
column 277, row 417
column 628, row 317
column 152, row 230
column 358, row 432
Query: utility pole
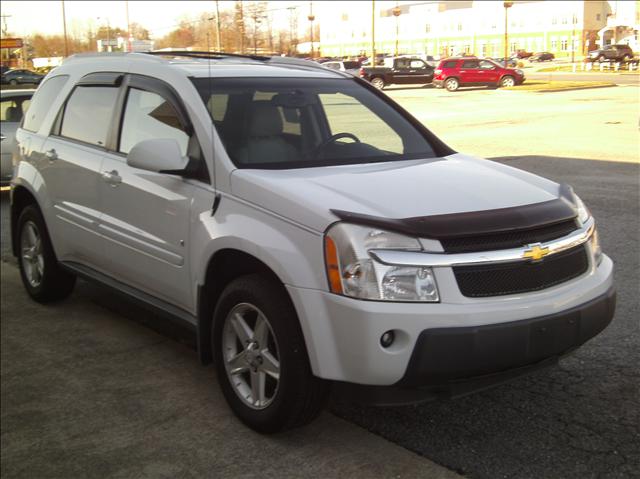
column 373, row 34
column 126, row 4
column 573, row 38
column 396, row 13
column 64, row 26
column 218, row 38
column 311, row 18
column 507, row 6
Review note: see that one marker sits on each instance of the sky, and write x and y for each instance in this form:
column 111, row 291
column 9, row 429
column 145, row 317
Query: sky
column 159, row 17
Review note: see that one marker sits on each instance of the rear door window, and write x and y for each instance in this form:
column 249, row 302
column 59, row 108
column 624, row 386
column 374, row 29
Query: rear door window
column 470, row 64
column 449, row 64
column 88, row 114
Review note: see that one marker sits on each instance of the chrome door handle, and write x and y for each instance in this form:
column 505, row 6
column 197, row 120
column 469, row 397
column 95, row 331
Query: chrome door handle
column 51, row 154
column 112, row 178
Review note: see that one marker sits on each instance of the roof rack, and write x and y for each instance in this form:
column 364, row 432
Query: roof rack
column 220, row 55
column 203, row 54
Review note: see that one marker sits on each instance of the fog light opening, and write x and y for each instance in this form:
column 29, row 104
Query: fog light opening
column 387, row 339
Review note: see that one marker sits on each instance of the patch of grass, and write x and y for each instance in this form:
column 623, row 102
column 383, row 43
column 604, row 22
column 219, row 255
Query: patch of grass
column 550, row 86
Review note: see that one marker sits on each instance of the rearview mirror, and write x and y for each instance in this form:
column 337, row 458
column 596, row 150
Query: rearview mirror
column 161, row 155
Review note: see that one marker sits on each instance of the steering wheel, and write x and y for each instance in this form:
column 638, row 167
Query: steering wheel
column 333, row 139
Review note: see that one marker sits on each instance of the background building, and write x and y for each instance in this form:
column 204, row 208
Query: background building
column 477, row 27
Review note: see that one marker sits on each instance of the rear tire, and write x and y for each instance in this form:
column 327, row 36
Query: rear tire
column 259, row 353
column 451, row 84
column 42, row 276
column 13, row 82
column 378, row 83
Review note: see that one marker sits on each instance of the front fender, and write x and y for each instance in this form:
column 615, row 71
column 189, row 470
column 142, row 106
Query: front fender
column 294, row 253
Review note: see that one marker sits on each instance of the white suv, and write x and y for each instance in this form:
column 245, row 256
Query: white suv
column 309, row 229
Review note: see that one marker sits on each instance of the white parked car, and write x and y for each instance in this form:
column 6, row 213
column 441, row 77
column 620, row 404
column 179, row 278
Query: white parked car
column 349, row 66
column 310, row 230
column 13, row 104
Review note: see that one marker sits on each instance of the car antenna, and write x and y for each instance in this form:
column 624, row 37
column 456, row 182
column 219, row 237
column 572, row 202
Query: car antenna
column 217, row 197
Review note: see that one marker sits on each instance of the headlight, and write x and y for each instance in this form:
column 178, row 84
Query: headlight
column 583, row 212
column 352, row 272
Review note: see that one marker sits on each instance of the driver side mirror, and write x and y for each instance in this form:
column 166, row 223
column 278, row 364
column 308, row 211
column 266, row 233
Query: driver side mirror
column 161, row 155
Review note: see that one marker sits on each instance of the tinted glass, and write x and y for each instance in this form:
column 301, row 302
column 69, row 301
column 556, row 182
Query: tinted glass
column 470, row 64
column 449, row 64
column 295, row 122
column 149, row 116
column 42, row 100
column 351, row 65
column 88, row 114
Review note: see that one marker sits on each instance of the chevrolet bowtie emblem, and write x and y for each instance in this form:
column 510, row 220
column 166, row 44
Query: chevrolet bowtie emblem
column 535, row 252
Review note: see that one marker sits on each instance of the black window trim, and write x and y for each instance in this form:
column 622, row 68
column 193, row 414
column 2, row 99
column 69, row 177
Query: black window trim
column 166, row 91
column 97, row 79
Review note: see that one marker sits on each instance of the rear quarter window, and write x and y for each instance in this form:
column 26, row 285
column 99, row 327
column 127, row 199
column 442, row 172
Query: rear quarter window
column 449, row 64
column 42, row 100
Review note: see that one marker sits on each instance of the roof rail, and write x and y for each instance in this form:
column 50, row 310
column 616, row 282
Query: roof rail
column 220, row 55
column 203, row 54
column 295, row 61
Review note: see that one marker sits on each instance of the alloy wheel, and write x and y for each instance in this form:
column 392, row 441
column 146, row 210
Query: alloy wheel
column 31, row 254
column 251, row 357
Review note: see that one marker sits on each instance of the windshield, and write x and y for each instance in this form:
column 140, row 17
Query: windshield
column 304, row 122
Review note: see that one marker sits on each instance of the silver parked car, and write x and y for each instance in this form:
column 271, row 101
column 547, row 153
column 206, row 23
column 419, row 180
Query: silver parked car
column 13, row 105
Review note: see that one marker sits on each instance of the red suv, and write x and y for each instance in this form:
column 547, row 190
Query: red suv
column 453, row 73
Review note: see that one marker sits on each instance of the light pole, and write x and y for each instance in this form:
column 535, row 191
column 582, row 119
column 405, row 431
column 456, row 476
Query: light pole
column 573, row 38
column 64, row 26
column 373, row 34
column 311, row 18
column 396, row 13
column 507, row 6
column 218, row 38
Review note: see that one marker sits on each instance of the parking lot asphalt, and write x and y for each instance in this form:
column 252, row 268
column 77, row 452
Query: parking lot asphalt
column 580, row 419
column 95, row 387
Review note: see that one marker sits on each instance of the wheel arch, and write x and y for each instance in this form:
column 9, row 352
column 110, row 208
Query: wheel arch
column 21, row 197
column 224, row 266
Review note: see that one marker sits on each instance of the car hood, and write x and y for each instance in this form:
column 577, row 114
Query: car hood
column 400, row 189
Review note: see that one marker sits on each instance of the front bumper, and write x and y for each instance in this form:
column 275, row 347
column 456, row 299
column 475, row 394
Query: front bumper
column 450, row 362
column 433, row 341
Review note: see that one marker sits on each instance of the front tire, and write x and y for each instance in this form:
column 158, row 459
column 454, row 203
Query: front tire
column 507, row 81
column 261, row 358
column 41, row 274
column 452, row 84
column 378, row 83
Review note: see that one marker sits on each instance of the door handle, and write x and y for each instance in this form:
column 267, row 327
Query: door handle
column 112, row 178
column 51, row 154
column 2, row 137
